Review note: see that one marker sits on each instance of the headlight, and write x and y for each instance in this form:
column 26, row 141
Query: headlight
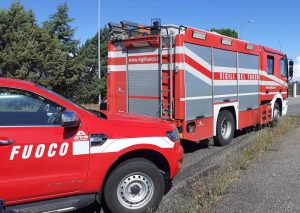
column 173, row 135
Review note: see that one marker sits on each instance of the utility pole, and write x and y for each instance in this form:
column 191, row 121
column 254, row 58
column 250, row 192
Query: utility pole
column 99, row 48
column 242, row 25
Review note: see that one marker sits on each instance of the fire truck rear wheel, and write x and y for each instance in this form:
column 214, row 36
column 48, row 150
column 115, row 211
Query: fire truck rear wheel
column 225, row 128
column 136, row 186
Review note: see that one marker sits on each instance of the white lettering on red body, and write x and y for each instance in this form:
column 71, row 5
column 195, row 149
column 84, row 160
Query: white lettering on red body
column 147, row 59
column 27, row 151
column 52, row 150
column 241, row 76
column 15, row 150
column 63, row 149
column 227, row 76
column 247, row 76
column 40, row 151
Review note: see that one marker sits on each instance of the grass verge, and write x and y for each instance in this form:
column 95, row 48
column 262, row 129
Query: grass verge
column 206, row 192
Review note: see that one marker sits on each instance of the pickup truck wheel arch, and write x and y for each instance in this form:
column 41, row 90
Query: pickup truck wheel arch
column 135, row 185
column 155, row 157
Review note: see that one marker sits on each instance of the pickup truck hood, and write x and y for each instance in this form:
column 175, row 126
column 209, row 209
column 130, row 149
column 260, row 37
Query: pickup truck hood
column 125, row 119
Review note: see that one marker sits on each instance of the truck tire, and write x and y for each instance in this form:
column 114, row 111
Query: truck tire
column 276, row 114
column 136, row 186
column 225, row 128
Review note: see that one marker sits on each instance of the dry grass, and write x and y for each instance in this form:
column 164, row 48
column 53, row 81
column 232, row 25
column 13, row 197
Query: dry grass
column 206, row 192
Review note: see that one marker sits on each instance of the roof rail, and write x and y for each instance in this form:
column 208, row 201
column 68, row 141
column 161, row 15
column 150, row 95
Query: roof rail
column 127, row 29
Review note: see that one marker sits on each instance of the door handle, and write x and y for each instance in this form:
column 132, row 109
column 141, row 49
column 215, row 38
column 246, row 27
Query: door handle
column 4, row 142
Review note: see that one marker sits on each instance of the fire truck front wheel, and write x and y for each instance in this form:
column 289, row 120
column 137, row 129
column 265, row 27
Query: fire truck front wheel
column 225, row 128
column 135, row 186
column 276, row 113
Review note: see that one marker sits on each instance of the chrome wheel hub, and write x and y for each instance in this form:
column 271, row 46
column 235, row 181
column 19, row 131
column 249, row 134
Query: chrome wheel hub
column 226, row 128
column 276, row 114
column 135, row 190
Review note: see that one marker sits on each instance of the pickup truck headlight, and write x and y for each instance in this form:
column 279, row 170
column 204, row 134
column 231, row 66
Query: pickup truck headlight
column 173, row 135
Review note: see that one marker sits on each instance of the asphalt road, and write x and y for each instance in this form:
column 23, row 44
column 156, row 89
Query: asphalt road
column 294, row 106
column 271, row 184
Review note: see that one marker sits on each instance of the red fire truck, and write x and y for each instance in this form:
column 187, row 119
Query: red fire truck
column 208, row 84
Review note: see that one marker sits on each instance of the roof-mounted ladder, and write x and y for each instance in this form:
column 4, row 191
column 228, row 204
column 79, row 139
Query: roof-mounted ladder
column 166, row 70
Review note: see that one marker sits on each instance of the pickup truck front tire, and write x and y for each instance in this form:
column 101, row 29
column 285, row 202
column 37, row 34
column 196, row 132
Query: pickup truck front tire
column 135, row 186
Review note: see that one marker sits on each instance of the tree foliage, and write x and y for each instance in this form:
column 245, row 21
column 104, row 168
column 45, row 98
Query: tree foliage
column 50, row 55
column 59, row 27
column 26, row 51
column 225, row 31
column 90, row 85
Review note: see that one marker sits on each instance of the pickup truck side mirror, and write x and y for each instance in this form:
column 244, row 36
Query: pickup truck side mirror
column 70, row 119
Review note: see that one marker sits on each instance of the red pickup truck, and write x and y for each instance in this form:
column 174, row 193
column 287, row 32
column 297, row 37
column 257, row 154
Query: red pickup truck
column 56, row 156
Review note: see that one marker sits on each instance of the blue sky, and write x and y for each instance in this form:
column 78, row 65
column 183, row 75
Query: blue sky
column 275, row 22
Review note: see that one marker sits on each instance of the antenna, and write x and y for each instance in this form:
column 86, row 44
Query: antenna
column 280, row 45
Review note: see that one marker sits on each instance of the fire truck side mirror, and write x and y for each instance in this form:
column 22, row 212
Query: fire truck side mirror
column 70, row 119
column 291, row 68
column 291, row 72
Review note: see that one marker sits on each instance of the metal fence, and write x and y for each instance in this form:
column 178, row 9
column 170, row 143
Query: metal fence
column 290, row 90
column 294, row 89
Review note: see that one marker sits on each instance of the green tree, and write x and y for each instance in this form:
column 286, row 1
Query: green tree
column 26, row 51
column 59, row 26
column 50, row 55
column 90, row 85
column 225, row 31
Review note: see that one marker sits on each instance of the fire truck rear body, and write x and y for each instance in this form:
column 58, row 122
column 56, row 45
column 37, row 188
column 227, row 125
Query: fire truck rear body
column 189, row 76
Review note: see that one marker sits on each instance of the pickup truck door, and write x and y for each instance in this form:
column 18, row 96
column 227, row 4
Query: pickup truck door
column 39, row 159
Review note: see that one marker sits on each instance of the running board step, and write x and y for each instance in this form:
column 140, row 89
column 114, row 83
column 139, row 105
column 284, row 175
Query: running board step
column 65, row 204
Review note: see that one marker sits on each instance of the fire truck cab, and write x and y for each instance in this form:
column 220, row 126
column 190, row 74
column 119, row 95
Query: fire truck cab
column 208, row 84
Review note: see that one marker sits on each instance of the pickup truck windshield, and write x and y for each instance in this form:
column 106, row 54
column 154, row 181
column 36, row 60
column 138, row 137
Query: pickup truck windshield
column 94, row 112
column 61, row 97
